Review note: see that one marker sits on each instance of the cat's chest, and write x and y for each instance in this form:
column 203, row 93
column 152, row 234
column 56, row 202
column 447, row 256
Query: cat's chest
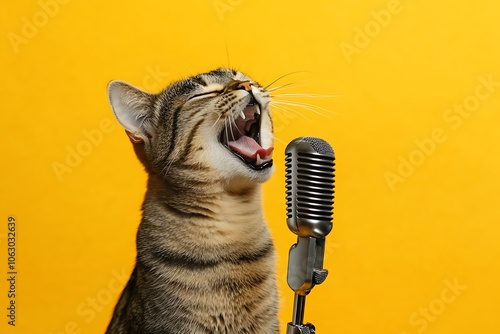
column 234, row 219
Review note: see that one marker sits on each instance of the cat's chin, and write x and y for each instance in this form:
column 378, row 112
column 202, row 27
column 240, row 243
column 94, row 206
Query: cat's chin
column 248, row 178
column 239, row 173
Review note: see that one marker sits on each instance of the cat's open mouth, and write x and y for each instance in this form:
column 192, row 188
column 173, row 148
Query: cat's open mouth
column 242, row 138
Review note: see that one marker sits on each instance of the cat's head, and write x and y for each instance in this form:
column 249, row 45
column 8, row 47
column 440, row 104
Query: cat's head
column 218, row 120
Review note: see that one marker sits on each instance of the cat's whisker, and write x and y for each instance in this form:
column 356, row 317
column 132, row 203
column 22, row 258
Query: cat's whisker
column 277, row 139
column 304, row 95
column 286, row 110
column 217, row 120
column 227, row 135
column 166, row 169
column 308, row 106
column 290, row 84
column 231, row 122
column 281, row 77
column 177, row 68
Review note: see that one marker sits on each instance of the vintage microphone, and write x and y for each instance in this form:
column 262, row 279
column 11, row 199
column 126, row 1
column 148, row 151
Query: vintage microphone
column 310, row 170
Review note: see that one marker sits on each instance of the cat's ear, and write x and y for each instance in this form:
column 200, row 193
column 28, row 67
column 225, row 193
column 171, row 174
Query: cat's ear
column 133, row 108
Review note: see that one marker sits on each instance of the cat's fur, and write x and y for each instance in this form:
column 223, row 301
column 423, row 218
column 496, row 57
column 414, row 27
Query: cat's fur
column 205, row 259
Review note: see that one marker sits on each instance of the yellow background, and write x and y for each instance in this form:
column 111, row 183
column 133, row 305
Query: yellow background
column 397, row 70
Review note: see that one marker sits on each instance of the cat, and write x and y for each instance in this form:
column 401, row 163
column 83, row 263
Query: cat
column 205, row 258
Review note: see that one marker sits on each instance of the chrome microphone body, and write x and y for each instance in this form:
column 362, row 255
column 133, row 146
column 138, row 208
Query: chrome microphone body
column 310, row 170
column 310, row 167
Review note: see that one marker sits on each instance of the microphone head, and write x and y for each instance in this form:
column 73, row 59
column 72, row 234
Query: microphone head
column 310, row 170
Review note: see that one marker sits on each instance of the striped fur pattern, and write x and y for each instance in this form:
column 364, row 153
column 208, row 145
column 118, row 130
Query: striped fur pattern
column 205, row 259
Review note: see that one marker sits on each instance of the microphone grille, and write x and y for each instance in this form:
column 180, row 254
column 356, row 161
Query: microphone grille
column 310, row 167
column 319, row 145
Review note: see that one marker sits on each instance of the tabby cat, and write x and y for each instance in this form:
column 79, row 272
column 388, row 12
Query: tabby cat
column 205, row 259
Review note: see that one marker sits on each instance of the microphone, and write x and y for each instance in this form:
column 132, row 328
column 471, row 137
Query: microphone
column 310, row 167
column 309, row 183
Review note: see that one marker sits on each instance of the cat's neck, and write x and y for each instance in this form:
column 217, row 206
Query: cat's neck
column 218, row 214
column 209, row 196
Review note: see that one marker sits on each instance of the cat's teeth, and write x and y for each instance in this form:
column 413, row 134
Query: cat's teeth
column 258, row 162
column 242, row 114
column 257, row 110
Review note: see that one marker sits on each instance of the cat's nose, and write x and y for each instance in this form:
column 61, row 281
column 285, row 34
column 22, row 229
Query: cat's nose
column 237, row 84
column 245, row 85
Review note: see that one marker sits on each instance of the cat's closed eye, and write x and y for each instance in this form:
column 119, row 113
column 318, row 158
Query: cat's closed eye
column 206, row 94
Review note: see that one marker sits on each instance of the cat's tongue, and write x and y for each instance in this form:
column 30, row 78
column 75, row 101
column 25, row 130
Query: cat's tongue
column 250, row 148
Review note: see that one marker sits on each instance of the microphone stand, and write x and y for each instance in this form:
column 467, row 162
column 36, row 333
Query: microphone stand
column 305, row 270
column 310, row 170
